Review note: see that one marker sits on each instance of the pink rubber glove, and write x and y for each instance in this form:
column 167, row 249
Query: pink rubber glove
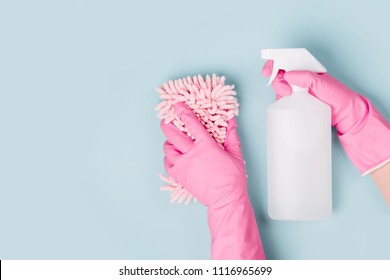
column 362, row 130
column 216, row 176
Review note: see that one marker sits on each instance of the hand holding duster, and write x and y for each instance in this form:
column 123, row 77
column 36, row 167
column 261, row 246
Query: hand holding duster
column 215, row 174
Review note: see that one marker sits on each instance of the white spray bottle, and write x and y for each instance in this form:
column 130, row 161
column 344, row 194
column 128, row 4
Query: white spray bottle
column 298, row 145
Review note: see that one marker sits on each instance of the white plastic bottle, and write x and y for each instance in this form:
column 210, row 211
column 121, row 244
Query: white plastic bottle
column 298, row 146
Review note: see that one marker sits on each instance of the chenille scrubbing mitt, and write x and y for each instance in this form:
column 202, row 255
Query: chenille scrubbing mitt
column 213, row 103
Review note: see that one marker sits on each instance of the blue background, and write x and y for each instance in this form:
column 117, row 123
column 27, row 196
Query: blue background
column 81, row 146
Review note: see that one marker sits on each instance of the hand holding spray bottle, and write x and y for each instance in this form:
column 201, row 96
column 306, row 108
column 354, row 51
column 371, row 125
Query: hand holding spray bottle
column 298, row 145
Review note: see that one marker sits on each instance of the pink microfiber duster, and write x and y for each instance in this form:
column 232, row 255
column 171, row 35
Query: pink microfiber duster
column 213, row 103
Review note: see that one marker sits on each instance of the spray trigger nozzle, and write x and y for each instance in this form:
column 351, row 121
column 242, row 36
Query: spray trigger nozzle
column 291, row 59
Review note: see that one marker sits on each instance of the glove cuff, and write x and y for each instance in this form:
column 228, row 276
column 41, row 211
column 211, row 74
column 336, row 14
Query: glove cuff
column 234, row 233
column 367, row 143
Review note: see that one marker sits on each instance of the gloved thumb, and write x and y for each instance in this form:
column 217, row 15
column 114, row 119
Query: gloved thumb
column 190, row 121
column 301, row 78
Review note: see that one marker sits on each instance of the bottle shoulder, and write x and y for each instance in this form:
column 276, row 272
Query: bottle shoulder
column 300, row 101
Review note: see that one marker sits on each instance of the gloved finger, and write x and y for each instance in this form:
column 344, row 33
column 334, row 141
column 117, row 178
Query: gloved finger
column 302, row 78
column 232, row 142
column 189, row 119
column 167, row 164
column 176, row 137
column 171, row 152
column 280, row 85
column 267, row 68
column 324, row 87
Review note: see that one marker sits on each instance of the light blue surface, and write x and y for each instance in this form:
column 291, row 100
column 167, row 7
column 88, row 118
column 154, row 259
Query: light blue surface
column 81, row 146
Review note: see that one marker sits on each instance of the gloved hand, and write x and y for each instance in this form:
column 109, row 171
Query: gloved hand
column 362, row 130
column 216, row 176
